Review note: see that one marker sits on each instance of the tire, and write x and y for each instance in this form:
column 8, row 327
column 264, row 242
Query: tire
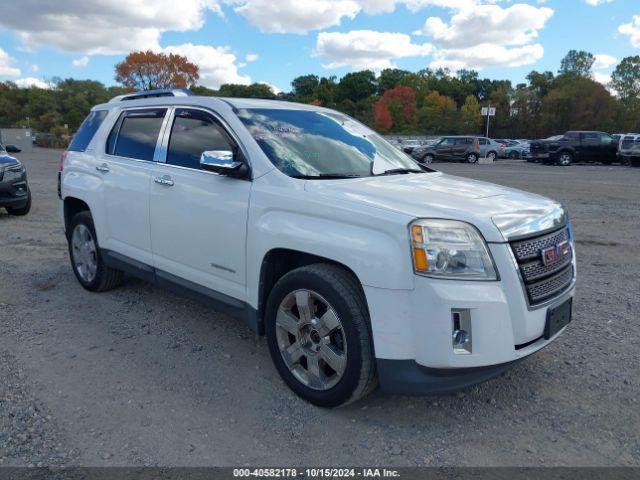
column 21, row 211
column 98, row 279
column 607, row 162
column 513, row 155
column 321, row 287
column 472, row 158
column 565, row 159
column 428, row 159
column 492, row 156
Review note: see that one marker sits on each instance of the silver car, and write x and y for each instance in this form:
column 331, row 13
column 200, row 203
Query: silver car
column 490, row 149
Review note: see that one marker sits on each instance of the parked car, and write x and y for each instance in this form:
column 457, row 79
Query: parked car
column 359, row 265
column 455, row 148
column 516, row 149
column 490, row 149
column 15, row 195
column 628, row 149
column 408, row 146
column 575, row 146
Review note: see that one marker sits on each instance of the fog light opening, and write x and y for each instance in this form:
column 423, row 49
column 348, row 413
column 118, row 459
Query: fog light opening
column 461, row 337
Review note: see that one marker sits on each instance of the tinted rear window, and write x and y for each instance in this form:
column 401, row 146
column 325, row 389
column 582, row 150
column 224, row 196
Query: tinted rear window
column 136, row 133
column 87, row 130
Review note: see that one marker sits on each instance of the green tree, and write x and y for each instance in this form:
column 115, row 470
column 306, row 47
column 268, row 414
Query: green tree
column 305, row 85
column 577, row 62
column 390, row 78
column 626, row 78
column 356, row 86
column 438, row 115
column 470, row 118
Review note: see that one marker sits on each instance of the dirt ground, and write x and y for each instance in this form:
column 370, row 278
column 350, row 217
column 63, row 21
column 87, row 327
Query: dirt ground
column 139, row 376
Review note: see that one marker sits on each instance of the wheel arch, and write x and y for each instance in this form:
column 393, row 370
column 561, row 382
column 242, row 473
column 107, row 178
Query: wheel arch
column 71, row 207
column 278, row 262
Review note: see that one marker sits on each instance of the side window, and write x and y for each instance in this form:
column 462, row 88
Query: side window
column 87, row 130
column 447, row 141
column 590, row 136
column 606, row 138
column 483, row 141
column 135, row 134
column 572, row 136
column 192, row 133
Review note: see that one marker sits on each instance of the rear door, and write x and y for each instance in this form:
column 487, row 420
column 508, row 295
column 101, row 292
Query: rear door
column 608, row 147
column 126, row 167
column 460, row 147
column 443, row 149
column 198, row 218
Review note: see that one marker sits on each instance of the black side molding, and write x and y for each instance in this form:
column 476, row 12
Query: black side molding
column 218, row 301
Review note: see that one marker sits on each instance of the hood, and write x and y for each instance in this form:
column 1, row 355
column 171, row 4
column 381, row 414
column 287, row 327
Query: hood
column 498, row 212
column 6, row 160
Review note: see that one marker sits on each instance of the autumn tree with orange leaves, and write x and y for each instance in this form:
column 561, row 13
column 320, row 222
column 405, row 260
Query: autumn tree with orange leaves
column 396, row 109
column 150, row 71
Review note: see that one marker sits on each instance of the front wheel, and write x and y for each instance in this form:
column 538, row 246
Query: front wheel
column 428, row 159
column 317, row 327
column 565, row 159
column 491, row 156
column 513, row 155
column 472, row 158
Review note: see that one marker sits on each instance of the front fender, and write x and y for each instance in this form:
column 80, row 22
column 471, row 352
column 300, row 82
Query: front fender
column 373, row 243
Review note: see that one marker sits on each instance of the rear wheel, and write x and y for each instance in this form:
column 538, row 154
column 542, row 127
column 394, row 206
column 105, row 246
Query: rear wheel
column 317, row 327
column 513, row 155
column 472, row 158
column 18, row 212
column 565, row 159
column 86, row 259
column 491, row 156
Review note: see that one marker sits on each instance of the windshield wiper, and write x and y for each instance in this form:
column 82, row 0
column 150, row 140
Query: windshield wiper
column 327, row 176
column 401, row 171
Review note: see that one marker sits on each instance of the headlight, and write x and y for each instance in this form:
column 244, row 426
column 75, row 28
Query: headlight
column 450, row 249
column 13, row 174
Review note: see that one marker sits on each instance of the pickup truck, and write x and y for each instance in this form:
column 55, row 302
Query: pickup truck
column 575, row 146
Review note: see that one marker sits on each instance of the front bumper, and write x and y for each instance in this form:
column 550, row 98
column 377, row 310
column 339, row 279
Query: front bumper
column 14, row 194
column 415, row 329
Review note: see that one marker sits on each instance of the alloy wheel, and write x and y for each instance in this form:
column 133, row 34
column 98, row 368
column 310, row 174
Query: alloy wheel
column 311, row 339
column 85, row 254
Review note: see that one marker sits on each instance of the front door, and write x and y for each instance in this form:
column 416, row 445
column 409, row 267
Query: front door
column 443, row 149
column 198, row 218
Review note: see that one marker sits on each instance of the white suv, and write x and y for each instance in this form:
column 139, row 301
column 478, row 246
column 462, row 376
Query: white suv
column 359, row 265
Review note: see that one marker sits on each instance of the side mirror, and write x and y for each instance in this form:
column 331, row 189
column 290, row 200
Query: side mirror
column 222, row 162
column 12, row 149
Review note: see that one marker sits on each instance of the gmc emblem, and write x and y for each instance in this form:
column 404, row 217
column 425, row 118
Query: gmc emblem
column 553, row 255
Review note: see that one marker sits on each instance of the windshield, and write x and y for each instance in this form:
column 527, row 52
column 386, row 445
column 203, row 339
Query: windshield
column 314, row 144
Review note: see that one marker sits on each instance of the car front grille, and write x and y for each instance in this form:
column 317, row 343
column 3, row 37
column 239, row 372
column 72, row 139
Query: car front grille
column 544, row 282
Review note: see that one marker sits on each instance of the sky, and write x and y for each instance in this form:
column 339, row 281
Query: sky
column 273, row 41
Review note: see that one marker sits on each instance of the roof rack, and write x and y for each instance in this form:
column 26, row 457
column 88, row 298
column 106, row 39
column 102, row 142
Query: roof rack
column 169, row 92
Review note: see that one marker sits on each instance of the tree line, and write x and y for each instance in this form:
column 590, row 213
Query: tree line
column 427, row 102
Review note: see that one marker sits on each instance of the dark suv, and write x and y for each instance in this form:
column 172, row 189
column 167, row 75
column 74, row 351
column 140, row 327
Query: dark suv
column 575, row 146
column 461, row 149
column 15, row 196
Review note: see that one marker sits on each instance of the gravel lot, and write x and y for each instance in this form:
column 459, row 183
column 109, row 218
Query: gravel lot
column 138, row 376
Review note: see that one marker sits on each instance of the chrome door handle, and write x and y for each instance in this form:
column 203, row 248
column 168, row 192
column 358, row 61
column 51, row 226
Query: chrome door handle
column 104, row 168
column 164, row 180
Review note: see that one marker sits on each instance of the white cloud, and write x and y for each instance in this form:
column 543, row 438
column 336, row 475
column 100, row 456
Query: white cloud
column 80, row 62
column 217, row 64
column 603, row 78
column 6, row 65
column 632, row 29
column 97, row 27
column 367, row 48
column 487, row 55
column 28, row 82
column 251, row 57
column 296, row 16
column 604, row 61
column 595, row 3
column 33, row 68
column 487, row 35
